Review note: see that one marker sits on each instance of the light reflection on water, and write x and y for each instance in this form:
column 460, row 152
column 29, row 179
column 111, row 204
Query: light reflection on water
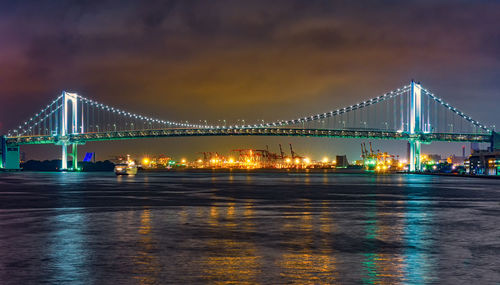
column 419, row 263
column 68, row 255
column 68, row 258
column 230, row 260
column 309, row 258
column 238, row 228
column 147, row 264
column 382, row 267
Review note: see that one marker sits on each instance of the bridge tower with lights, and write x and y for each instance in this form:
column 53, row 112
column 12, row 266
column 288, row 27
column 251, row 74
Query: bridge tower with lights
column 69, row 126
column 415, row 125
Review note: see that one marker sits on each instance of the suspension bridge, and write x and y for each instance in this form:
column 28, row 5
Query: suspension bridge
column 411, row 113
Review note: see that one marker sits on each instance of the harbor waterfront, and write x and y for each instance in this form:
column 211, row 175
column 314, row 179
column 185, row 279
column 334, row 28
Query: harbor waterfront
column 248, row 227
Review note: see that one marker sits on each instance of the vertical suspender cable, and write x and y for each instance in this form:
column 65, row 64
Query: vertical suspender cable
column 428, row 113
column 394, row 112
column 50, row 120
column 408, row 112
column 436, row 121
column 87, row 116
column 446, row 120
column 354, row 120
column 401, row 109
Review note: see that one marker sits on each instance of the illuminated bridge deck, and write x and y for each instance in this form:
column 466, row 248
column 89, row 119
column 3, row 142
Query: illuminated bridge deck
column 190, row 132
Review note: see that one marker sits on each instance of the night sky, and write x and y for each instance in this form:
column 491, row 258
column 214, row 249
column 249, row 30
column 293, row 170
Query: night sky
column 192, row 60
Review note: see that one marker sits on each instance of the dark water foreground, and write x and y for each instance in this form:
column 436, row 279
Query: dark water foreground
column 272, row 228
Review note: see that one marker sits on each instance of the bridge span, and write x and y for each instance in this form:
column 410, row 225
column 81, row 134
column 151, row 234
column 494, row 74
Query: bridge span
column 410, row 113
column 327, row 133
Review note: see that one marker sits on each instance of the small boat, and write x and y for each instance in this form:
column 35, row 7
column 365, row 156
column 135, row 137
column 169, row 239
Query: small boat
column 126, row 168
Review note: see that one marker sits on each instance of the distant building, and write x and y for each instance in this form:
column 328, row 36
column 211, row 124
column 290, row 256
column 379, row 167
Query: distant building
column 342, row 161
column 484, row 162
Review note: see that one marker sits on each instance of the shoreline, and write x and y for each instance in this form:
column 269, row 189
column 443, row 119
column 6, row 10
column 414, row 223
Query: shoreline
column 461, row 175
column 271, row 170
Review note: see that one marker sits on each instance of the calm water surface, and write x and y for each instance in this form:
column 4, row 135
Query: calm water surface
column 270, row 228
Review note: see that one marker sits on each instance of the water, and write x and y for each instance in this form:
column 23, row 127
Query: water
column 270, row 228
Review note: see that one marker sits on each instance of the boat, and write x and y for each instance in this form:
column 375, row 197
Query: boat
column 126, row 168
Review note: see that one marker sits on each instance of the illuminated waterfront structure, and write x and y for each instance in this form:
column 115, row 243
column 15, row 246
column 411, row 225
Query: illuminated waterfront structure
column 410, row 113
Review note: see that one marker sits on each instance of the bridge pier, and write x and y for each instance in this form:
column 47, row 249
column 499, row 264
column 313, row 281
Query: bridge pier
column 495, row 141
column 2, row 151
column 415, row 146
column 64, row 158
column 9, row 156
column 74, row 154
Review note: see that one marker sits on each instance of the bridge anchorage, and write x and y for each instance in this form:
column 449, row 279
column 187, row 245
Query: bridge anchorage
column 410, row 113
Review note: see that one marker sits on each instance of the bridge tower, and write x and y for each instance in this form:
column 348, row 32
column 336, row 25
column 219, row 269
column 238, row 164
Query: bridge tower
column 65, row 128
column 415, row 125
